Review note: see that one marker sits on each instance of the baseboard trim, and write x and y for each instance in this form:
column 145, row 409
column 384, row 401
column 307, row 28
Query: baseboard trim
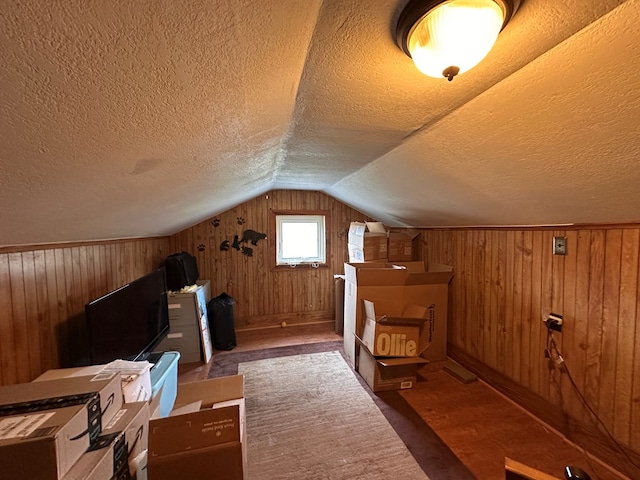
column 288, row 324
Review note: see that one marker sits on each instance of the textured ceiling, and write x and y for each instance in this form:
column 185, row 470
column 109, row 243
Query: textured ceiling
column 128, row 119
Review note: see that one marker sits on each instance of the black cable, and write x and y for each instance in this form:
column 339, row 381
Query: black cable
column 552, row 343
column 549, row 354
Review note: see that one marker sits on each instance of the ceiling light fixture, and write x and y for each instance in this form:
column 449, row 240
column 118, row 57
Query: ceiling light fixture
column 449, row 37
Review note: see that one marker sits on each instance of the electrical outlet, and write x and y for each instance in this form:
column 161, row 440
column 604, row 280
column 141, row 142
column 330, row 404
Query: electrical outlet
column 559, row 245
column 554, row 322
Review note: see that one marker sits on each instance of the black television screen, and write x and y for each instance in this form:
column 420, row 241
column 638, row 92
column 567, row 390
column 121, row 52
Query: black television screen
column 130, row 321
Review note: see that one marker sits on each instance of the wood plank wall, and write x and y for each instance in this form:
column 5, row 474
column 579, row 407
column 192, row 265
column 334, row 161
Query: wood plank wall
column 506, row 280
column 264, row 297
column 43, row 291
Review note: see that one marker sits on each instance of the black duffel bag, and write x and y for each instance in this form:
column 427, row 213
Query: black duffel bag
column 222, row 322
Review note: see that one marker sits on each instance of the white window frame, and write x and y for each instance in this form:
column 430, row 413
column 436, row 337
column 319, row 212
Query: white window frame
column 320, row 220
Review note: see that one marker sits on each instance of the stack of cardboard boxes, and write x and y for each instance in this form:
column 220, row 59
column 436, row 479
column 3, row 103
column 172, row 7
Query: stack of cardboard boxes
column 373, row 241
column 52, row 429
column 395, row 317
column 391, row 344
column 84, row 427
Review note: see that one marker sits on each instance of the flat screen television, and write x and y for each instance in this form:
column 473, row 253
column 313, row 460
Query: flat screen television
column 130, row 321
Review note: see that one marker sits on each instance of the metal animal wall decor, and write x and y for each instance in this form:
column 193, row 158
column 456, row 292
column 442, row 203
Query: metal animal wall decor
column 252, row 236
column 248, row 236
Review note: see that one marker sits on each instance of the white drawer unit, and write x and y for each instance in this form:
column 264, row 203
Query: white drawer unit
column 189, row 324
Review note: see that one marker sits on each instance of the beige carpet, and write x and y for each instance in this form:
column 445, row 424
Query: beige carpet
column 308, row 418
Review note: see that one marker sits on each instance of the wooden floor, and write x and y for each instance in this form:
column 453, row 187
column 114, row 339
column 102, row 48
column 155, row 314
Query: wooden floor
column 478, row 424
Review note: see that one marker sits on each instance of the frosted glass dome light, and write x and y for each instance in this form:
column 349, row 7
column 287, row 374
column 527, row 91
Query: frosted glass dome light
column 446, row 38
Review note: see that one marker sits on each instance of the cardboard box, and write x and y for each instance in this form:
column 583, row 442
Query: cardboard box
column 396, row 332
column 106, row 385
column 135, row 388
column 375, row 248
column 388, row 373
column 400, row 245
column 47, row 425
column 123, row 438
column 367, row 242
column 207, row 440
column 42, row 445
column 404, row 283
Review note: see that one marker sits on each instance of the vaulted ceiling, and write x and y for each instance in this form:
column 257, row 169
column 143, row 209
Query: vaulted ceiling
column 129, row 119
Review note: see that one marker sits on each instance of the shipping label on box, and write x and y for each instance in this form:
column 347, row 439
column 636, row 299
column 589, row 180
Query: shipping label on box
column 356, row 234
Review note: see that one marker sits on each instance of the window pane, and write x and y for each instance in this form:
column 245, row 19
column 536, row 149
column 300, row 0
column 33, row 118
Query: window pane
column 299, row 240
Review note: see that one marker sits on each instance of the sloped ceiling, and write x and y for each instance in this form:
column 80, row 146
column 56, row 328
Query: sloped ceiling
column 129, row 119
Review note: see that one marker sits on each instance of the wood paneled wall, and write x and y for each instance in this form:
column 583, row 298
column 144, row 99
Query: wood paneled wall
column 42, row 296
column 43, row 289
column 506, row 280
column 265, row 297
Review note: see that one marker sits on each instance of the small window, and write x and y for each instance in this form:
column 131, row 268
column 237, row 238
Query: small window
column 300, row 239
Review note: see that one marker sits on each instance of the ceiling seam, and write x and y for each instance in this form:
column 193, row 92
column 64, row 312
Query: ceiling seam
column 282, row 152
